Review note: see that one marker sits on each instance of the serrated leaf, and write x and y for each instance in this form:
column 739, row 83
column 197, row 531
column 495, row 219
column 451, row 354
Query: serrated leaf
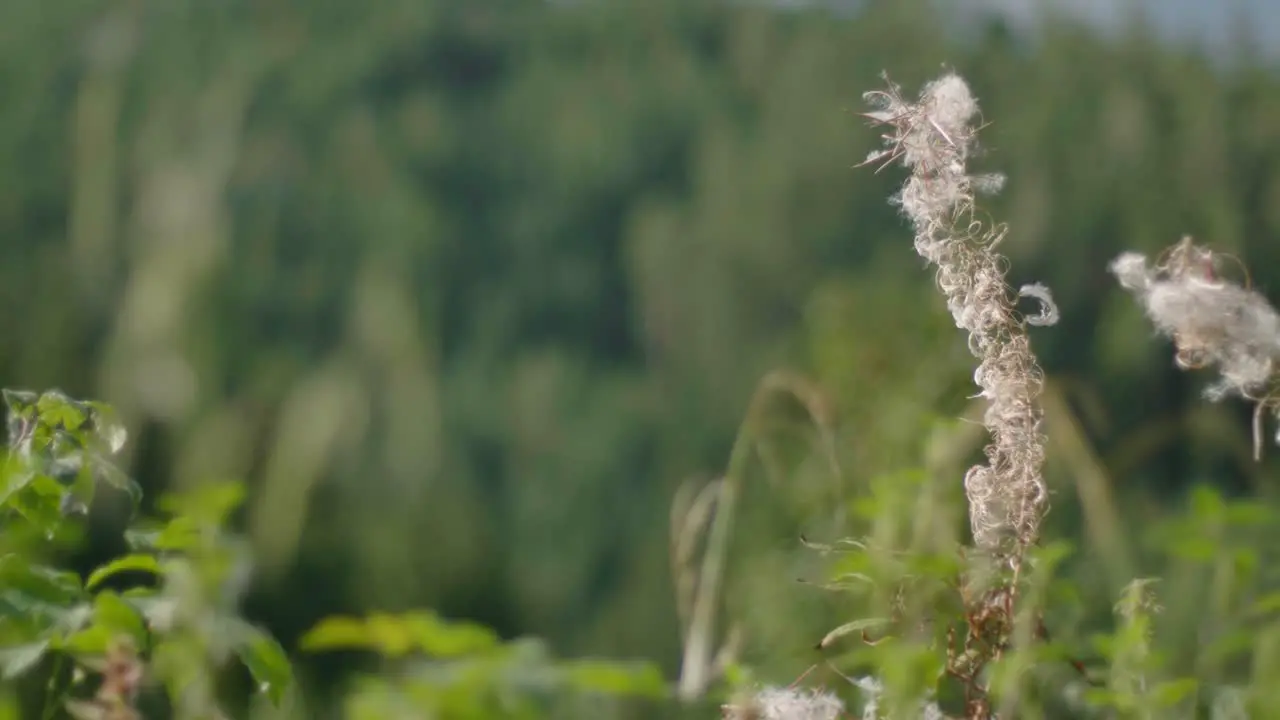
column 58, row 410
column 127, row 563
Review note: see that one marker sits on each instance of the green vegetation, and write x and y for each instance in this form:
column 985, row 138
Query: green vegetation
column 440, row 327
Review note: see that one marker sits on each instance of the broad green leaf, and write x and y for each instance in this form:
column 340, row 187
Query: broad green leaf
column 265, row 660
column 112, row 618
column 16, row 478
column 119, row 617
column 48, row 584
column 19, row 659
column 92, row 640
column 127, row 563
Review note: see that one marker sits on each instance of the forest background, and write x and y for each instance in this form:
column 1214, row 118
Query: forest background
column 465, row 291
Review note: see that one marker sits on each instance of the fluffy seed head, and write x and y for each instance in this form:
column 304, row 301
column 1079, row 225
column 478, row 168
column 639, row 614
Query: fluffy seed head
column 934, row 137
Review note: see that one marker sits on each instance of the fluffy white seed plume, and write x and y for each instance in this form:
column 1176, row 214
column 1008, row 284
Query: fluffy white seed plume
column 786, row 704
column 872, row 692
column 1213, row 322
column 934, row 137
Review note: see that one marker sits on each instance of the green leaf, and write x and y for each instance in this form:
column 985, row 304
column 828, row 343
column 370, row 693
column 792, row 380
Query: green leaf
column 265, row 660
column 396, row 635
column 207, row 504
column 112, row 618
column 21, row 658
column 22, row 414
column 107, row 426
column 178, row 534
column 41, row 504
column 641, row 679
column 79, row 497
column 128, row 563
column 1268, row 603
column 1170, row 693
column 108, row 472
column 54, row 586
column 950, row 693
column 16, row 478
column 92, row 640
column 110, row 611
column 57, row 409
column 440, row 638
column 1207, row 505
column 339, row 633
column 857, row 626
column 20, row 401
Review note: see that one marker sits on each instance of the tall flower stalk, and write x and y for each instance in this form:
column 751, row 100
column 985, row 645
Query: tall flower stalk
column 934, row 138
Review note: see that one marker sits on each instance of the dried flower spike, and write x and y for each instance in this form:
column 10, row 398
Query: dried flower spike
column 934, row 138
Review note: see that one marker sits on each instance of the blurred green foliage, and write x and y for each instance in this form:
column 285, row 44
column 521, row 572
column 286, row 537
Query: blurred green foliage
column 467, row 672
column 465, row 291
column 59, row 450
